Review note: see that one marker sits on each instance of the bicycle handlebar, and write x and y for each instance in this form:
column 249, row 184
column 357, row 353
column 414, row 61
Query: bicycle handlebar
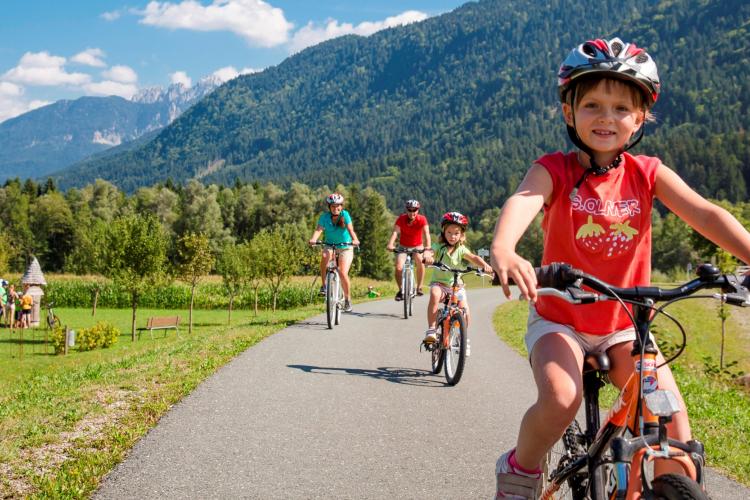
column 467, row 270
column 409, row 250
column 564, row 281
column 334, row 245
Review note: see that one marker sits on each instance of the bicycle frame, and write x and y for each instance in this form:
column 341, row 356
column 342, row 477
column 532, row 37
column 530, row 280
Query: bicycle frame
column 641, row 407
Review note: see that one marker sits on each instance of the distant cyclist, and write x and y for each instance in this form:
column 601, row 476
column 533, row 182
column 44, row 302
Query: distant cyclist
column 338, row 228
column 413, row 231
column 451, row 251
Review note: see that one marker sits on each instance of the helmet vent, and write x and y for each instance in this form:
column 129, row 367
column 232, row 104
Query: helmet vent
column 616, row 48
column 589, row 49
column 641, row 58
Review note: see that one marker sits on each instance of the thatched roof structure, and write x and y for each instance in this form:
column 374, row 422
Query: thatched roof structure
column 33, row 275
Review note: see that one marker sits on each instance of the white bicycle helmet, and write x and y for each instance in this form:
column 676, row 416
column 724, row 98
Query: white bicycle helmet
column 335, row 199
column 615, row 58
column 412, row 204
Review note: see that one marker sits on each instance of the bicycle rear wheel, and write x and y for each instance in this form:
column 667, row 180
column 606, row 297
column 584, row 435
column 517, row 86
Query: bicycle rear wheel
column 438, row 356
column 565, row 451
column 330, row 299
column 455, row 355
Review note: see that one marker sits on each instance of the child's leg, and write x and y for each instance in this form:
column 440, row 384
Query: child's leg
column 433, row 305
column 556, row 361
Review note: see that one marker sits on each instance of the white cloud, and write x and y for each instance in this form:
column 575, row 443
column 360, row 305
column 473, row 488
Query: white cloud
column 109, row 87
column 12, row 103
column 254, row 20
column 230, row 72
column 312, row 34
column 41, row 68
column 90, row 57
column 111, row 16
column 182, row 78
column 121, row 73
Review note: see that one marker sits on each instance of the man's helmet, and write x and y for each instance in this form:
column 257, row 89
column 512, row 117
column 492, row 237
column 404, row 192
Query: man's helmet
column 3, row 282
column 335, row 199
column 454, row 218
column 412, row 204
column 612, row 58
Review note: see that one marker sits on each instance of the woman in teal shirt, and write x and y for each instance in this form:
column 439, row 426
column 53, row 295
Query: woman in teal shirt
column 338, row 228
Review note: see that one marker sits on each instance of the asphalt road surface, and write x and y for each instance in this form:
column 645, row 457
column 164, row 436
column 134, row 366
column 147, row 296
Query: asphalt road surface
column 353, row 412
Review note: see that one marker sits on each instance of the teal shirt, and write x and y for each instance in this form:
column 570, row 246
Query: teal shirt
column 453, row 260
column 335, row 233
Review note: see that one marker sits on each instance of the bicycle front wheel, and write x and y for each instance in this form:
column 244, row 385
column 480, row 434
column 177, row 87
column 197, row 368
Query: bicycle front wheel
column 339, row 300
column 331, row 282
column 455, row 355
column 406, row 292
column 674, row 487
column 565, row 451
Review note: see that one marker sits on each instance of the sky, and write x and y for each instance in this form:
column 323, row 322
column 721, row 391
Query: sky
column 52, row 50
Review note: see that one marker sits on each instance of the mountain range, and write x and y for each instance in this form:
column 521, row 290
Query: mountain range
column 453, row 109
column 55, row 136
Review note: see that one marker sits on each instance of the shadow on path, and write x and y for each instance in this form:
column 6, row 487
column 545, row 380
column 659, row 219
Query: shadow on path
column 408, row 376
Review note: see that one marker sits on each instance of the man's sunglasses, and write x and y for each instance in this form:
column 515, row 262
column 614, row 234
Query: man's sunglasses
column 412, row 210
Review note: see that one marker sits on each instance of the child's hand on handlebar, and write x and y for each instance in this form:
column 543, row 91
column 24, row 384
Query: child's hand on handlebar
column 312, row 243
column 509, row 266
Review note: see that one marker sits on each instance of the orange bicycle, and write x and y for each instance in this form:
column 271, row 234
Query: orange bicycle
column 452, row 346
column 600, row 462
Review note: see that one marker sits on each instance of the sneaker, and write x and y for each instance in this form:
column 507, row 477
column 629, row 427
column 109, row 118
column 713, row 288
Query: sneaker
column 514, row 482
column 399, row 296
column 322, row 291
column 430, row 336
column 347, row 306
column 419, row 291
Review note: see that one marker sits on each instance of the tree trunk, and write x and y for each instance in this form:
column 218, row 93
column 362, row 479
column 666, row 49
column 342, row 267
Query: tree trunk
column 256, row 302
column 190, row 314
column 134, row 305
column 96, row 299
column 231, row 301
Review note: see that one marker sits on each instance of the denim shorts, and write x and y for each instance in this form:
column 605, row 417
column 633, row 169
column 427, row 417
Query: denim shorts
column 537, row 327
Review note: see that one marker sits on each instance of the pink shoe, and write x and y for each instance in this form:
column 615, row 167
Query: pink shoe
column 514, row 482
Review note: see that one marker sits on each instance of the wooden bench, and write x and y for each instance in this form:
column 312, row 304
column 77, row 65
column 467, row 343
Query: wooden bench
column 163, row 323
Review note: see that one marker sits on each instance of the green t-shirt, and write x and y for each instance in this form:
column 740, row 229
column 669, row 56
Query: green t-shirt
column 453, row 260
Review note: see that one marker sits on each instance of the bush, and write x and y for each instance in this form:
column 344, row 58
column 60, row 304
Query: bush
column 58, row 339
column 103, row 334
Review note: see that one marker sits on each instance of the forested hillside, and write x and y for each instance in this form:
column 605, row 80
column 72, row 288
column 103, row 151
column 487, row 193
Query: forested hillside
column 452, row 110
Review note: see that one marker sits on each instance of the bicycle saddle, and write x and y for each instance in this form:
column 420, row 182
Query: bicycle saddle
column 598, row 361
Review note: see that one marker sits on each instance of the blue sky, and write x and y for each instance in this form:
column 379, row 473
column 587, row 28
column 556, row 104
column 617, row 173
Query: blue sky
column 51, row 50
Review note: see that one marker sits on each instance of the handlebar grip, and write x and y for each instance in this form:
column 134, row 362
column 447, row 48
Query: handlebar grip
column 556, row 275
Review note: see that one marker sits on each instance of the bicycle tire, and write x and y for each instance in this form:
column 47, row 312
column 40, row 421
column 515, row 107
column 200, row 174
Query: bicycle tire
column 455, row 355
column 339, row 300
column 406, row 291
column 330, row 301
column 569, row 447
column 413, row 292
column 54, row 322
column 675, row 486
column 438, row 356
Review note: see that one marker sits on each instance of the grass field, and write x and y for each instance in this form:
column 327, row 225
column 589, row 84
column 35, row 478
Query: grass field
column 65, row 421
column 719, row 408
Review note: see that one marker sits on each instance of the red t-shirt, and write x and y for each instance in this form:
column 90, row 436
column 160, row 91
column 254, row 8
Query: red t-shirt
column 411, row 234
column 605, row 231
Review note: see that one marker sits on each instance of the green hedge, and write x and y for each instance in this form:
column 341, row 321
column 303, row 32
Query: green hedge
column 80, row 293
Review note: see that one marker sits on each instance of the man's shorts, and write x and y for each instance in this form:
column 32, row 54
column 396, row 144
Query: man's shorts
column 537, row 327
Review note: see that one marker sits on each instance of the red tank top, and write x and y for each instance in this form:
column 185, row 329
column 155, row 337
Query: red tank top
column 605, row 231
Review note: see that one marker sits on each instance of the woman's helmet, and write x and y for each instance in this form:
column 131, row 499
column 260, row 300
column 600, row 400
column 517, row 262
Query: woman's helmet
column 412, row 204
column 335, row 199
column 454, row 218
column 614, row 58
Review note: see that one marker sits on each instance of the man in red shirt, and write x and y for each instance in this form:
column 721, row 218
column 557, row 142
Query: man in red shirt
column 413, row 231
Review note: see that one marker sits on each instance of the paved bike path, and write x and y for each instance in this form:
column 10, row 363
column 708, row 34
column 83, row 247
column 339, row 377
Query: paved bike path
column 353, row 412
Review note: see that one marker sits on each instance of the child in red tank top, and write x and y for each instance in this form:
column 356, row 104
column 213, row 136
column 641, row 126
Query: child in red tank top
column 597, row 216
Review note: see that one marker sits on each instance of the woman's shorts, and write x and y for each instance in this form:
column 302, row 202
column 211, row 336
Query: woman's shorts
column 537, row 327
